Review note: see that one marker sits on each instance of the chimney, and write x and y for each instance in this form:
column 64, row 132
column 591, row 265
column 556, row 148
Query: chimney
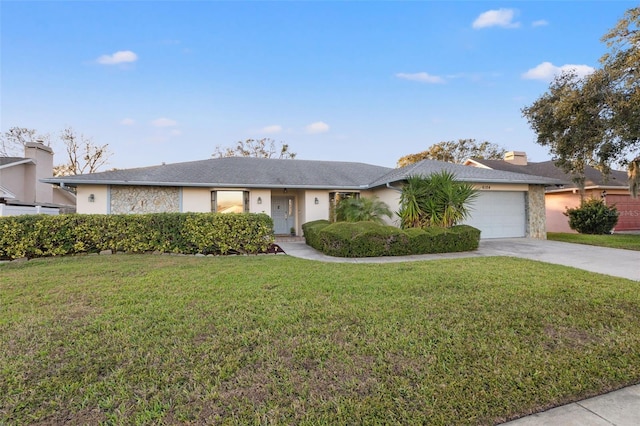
column 519, row 158
column 43, row 156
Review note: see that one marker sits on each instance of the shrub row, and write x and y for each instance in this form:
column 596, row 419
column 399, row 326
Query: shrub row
column 208, row 233
column 368, row 239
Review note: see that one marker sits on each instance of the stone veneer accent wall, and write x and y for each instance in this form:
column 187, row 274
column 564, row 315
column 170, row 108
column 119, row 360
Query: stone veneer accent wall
column 536, row 216
column 144, row 199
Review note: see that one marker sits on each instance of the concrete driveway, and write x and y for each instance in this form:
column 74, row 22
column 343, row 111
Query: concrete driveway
column 615, row 262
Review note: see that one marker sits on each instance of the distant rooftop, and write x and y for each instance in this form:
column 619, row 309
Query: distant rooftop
column 593, row 176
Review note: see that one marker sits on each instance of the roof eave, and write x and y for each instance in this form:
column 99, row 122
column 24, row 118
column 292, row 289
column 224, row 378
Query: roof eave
column 485, row 180
column 575, row 188
column 17, row 163
column 71, row 182
column 477, row 163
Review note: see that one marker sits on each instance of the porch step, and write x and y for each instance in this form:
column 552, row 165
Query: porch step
column 288, row 239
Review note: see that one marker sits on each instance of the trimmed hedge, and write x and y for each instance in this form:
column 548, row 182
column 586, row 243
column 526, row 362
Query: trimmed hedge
column 208, row 233
column 369, row 239
column 311, row 232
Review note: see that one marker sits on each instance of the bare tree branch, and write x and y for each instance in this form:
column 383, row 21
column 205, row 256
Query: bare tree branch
column 259, row 148
column 83, row 156
column 12, row 142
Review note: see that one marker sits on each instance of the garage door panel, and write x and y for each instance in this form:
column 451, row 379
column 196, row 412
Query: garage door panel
column 499, row 214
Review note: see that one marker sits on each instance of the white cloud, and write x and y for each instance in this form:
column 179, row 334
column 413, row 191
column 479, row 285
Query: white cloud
column 422, row 77
column 121, row 57
column 127, row 122
column 274, row 128
column 317, row 127
column 496, row 18
column 164, row 122
column 546, row 71
column 540, row 23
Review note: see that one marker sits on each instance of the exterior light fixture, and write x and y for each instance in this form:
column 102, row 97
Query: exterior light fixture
column 92, row 198
column 285, row 190
column 316, row 201
column 604, row 194
column 259, row 200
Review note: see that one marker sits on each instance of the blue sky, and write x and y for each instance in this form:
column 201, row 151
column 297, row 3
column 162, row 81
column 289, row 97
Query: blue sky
column 164, row 81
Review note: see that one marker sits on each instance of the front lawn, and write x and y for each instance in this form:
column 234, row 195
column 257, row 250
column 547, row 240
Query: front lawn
column 621, row 241
column 278, row 340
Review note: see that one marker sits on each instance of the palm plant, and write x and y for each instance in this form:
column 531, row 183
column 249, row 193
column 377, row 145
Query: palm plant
column 435, row 200
column 413, row 195
column 362, row 209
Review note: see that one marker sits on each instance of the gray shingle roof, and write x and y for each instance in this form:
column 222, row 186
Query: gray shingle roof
column 273, row 173
column 5, row 161
column 240, row 172
column 462, row 173
column 593, row 177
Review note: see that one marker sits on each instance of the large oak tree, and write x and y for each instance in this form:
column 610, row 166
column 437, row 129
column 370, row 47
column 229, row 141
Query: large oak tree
column 596, row 119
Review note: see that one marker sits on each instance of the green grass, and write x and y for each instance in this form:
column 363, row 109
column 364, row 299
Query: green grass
column 621, row 241
column 141, row 339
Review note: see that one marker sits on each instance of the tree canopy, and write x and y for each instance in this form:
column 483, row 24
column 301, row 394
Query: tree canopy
column 456, row 152
column 260, row 148
column 596, row 119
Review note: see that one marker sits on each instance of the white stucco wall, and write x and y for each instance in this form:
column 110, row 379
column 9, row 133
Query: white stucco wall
column 196, row 200
column 265, row 198
column 13, row 178
column 43, row 156
column 392, row 198
column 100, row 205
column 315, row 211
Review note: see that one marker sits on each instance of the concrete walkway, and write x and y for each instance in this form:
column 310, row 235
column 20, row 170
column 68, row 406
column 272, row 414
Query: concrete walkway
column 615, row 262
column 619, row 408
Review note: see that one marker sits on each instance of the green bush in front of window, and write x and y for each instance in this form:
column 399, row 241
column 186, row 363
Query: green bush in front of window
column 208, row 233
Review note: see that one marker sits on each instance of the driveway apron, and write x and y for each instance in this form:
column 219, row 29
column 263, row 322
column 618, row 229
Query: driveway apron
column 609, row 261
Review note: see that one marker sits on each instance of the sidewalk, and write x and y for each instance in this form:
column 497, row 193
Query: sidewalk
column 619, row 408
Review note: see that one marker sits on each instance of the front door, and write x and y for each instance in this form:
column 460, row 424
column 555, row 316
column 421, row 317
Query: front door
column 282, row 213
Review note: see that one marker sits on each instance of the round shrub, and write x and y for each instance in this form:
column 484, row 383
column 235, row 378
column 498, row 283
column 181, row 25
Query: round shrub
column 593, row 217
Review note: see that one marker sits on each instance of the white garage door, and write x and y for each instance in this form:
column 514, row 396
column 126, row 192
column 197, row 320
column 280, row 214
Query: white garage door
column 499, row 214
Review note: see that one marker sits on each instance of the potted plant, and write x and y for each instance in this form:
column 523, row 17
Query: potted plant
column 292, row 231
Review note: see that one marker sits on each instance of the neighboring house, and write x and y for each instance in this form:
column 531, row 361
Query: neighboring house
column 293, row 192
column 614, row 190
column 21, row 188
